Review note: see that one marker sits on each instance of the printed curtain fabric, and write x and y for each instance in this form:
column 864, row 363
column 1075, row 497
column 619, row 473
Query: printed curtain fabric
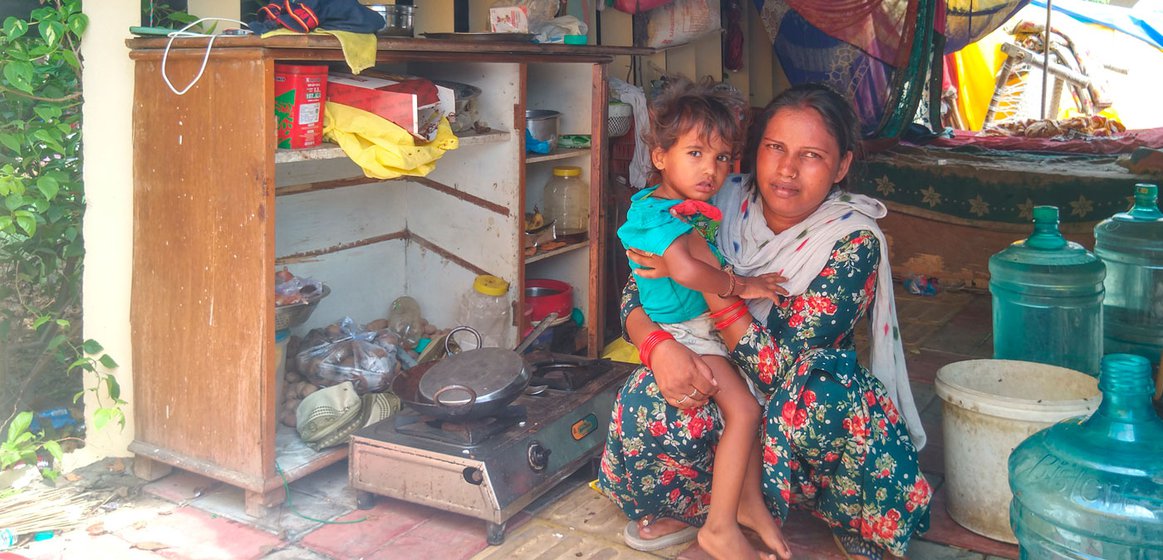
column 876, row 51
column 967, row 21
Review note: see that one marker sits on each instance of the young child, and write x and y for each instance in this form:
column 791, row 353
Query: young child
column 696, row 133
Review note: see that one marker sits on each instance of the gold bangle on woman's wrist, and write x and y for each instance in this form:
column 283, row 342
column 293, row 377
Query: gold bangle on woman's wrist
column 730, row 283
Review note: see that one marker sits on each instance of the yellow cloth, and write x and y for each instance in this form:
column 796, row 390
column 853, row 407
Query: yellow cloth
column 977, row 66
column 359, row 49
column 621, row 351
column 382, row 148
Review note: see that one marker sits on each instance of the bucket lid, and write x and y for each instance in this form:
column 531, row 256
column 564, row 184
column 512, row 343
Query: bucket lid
column 490, row 285
column 566, row 171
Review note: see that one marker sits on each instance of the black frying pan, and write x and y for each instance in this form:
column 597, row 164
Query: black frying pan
column 468, row 385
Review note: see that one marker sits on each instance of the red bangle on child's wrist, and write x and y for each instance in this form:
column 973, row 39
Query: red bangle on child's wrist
column 652, row 340
column 721, row 325
column 727, row 309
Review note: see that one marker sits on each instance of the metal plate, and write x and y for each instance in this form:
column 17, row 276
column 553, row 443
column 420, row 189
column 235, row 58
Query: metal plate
column 488, row 372
column 484, row 36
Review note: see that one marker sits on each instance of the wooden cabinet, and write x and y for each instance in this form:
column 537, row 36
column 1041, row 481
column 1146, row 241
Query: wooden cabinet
column 217, row 208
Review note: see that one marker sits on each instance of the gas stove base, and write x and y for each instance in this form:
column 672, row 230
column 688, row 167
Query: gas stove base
column 496, row 478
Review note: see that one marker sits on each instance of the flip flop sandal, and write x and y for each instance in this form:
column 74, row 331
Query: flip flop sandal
column 852, row 544
column 635, row 540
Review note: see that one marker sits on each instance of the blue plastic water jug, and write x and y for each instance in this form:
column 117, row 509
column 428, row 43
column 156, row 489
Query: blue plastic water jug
column 1131, row 245
column 1092, row 488
column 1047, row 299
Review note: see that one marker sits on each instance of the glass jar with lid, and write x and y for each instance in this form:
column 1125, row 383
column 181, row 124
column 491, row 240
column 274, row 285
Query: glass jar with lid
column 567, row 201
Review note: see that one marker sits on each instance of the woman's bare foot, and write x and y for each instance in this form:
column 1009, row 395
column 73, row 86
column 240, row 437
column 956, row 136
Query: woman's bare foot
column 728, row 543
column 652, row 528
column 754, row 515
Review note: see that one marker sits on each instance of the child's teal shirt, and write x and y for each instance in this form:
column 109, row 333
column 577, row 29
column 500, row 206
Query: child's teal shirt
column 650, row 226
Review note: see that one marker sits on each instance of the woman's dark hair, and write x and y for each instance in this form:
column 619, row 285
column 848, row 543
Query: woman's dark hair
column 713, row 109
column 835, row 110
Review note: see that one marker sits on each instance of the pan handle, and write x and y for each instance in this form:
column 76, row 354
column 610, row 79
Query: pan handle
column 456, row 408
column 448, row 337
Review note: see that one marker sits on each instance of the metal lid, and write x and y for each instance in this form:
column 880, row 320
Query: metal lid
column 486, row 372
column 566, row 171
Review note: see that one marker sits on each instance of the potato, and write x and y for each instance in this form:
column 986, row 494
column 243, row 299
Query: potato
column 289, row 418
column 430, row 330
column 292, row 403
column 377, row 325
column 308, row 389
column 292, row 377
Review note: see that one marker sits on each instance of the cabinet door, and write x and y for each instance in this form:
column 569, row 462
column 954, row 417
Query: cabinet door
column 202, row 313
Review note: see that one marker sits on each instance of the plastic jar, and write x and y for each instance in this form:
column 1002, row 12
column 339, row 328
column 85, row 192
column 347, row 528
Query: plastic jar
column 1047, row 299
column 1131, row 245
column 567, row 200
column 1089, row 487
column 486, row 308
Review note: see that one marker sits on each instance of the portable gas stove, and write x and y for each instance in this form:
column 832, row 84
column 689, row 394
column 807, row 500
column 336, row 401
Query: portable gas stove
column 493, row 467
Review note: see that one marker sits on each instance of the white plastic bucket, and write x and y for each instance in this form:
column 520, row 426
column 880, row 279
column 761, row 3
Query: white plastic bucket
column 989, row 407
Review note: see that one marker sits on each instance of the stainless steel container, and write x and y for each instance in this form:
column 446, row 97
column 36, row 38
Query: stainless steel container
column 397, row 19
column 542, row 125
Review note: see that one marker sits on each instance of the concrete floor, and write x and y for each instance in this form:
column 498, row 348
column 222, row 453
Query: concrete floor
column 186, row 516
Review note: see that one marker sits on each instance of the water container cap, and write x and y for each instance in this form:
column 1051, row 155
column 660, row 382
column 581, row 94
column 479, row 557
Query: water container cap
column 1046, row 234
column 490, row 285
column 1146, row 208
column 566, row 171
column 282, row 335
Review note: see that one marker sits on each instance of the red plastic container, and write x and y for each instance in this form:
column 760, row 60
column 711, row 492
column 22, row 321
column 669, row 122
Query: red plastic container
column 544, row 296
column 300, row 91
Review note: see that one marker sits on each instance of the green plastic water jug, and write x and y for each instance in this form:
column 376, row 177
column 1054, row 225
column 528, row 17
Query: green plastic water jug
column 1131, row 245
column 1092, row 488
column 1047, row 299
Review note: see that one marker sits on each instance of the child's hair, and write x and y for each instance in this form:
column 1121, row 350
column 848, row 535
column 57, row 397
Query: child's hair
column 712, row 109
column 835, row 110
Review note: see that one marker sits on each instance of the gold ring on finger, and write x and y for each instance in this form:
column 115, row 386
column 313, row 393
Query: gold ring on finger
column 682, row 400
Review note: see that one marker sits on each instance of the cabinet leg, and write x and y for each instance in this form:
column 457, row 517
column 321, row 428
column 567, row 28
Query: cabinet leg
column 495, row 533
column 258, row 504
column 149, row 469
column 364, row 499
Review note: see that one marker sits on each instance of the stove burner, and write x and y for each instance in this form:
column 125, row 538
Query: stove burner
column 564, row 373
column 467, row 433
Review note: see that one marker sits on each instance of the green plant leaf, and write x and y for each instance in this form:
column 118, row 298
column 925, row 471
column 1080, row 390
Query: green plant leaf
column 25, row 221
column 51, row 32
column 78, row 23
column 53, row 448
column 15, row 28
column 101, row 417
column 48, row 186
column 113, row 387
column 10, row 141
column 108, row 361
column 19, row 425
column 19, row 75
column 40, row 321
column 91, row 346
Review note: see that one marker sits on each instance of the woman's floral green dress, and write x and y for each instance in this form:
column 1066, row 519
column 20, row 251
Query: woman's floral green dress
column 833, row 441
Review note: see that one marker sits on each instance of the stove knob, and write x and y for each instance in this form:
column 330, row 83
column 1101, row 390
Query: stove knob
column 473, row 476
column 538, row 456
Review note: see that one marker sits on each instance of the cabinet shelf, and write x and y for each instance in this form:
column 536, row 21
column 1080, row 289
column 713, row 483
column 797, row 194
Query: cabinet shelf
column 557, row 251
column 560, row 154
column 328, row 150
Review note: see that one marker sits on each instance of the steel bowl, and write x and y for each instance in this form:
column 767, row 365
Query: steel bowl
column 542, row 125
column 397, row 19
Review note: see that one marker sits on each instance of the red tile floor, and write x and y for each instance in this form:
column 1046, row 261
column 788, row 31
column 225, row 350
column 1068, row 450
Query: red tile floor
column 185, row 516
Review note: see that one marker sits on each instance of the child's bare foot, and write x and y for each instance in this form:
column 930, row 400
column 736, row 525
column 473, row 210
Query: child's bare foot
column 728, row 543
column 754, row 515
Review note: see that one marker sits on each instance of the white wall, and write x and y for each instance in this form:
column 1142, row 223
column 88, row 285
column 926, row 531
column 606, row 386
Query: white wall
column 108, row 175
